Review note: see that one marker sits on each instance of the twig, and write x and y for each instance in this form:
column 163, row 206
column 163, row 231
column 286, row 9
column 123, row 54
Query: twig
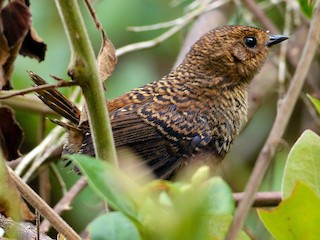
column 38, row 150
column 93, row 15
column 38, row 224
column 284, row 112
column 65, row 202
column 35, row 88
column 58, row 177
column 25, row 230
column 254, row 8
column 283, row 49
column 262, row 199
column 27, row 103
column 205, row 7
column 44, row 156
column 44, row 183
column 57, row 222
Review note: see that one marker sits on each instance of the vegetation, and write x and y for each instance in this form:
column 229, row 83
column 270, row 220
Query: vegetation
column 280, row 139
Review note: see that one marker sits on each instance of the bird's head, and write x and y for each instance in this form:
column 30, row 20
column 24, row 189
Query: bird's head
column 233, row 50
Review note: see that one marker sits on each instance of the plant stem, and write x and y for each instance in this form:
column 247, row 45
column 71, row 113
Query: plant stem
column 45, row 210
column 83, row 69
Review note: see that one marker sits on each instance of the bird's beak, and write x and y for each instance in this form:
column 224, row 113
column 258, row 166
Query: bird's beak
column 274, row 39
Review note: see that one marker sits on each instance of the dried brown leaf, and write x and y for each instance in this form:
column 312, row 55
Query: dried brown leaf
column 107, row 58
column 4, row 55
column 11, row 134
column 4, row 48
column 16, row 19
column 33, row 46
column 15, row 24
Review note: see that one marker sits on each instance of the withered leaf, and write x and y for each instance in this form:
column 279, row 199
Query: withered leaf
column 14, row 26
column 16, row 19
column 11, row 133
column 33, row 46
column 4, row 48
column 107, row 58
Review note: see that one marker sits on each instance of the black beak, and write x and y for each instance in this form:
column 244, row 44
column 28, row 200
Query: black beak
column 274, row 39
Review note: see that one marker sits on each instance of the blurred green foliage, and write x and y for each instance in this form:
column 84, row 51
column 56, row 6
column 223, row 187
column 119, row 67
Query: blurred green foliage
column 297, row 215
column 138, row 68
column 196, row 208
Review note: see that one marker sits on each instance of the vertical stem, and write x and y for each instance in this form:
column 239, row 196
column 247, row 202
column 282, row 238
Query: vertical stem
column 84, row 71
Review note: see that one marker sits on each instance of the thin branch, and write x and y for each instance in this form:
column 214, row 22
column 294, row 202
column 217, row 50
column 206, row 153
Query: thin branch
column 41, row 148
column 93, row 15
column 205, row 7
column 59, row 178
column 33, row 198
column 25, row 230
column 282, row 66
column 52, row 148
column 259, row 14
column 262, row 199
column 201, row 5
column 27, row 103
column 284, row 112
column 35, row 88
column 65, row 202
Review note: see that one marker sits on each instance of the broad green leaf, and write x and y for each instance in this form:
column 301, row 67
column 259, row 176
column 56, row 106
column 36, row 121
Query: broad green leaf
column 315, row 102
column 108, row 183
column 219, row 226
column 297, row 217
column 220, row 198
column 113, row 226
column 220, row 207
column 303, row 164
column 307, row 6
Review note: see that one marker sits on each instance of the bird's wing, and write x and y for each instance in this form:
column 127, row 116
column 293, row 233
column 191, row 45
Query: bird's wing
column 131, row 131
column 188, row 128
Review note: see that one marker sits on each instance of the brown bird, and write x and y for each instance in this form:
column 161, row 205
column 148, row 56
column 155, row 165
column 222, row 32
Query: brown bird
column 193, row 113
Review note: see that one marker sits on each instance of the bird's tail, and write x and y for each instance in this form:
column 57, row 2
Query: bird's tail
column 56, row 101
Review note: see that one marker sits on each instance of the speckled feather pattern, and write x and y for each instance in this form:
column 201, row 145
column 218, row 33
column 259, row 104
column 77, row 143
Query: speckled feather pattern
column 197, row 109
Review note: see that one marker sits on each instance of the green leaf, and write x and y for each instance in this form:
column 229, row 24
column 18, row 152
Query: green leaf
column 220, row 207
column 303, row 164
column 220, row 198
column 297, row 217
column 219, row 226
column 315, row 102
column 307, row 6
column 108, row 183
column 113, row 226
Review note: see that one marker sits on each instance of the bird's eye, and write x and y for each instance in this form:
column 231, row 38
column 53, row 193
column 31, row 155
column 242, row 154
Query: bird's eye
column 250, row 42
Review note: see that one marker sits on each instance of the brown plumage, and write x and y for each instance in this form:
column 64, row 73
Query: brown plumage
column 194, row 112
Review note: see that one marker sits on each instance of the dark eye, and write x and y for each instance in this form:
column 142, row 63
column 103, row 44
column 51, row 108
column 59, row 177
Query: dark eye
column 250, row 42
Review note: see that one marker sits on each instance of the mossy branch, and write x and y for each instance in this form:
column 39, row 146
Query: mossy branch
column 83, row 69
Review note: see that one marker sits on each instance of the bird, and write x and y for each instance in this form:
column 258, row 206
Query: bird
column 193, row 113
